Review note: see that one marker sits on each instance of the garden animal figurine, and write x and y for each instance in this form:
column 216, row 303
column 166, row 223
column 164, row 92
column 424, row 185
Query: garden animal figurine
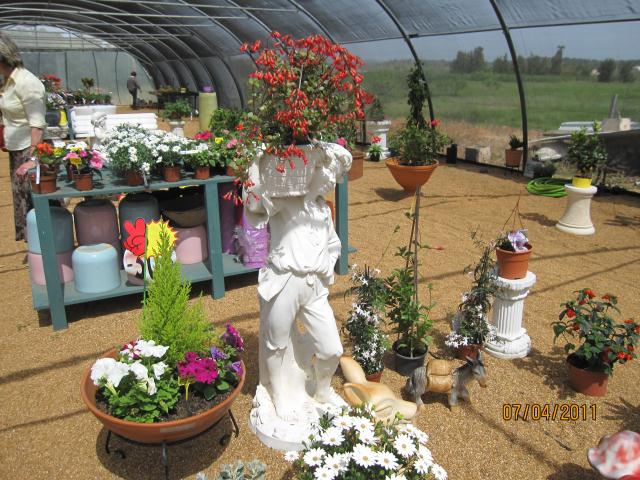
column 358, row 390
column 441, row 376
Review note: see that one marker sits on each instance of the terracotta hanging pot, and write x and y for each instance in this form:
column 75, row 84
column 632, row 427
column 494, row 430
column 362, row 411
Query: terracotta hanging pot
column 470, row 351
column 410, row 177
column 171, row 173
column 48, row 183
column 357, row 166
column 513, row 265
column 585, row 381
column 133, row 178
column 202, row 173
column 375, row 377
column 83, row 181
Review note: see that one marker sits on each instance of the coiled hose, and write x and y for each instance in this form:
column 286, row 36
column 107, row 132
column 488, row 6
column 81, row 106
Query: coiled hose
column 548, row 187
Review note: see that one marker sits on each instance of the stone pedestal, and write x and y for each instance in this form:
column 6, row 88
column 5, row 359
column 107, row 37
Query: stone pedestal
column 577, row 216
column 511, row 339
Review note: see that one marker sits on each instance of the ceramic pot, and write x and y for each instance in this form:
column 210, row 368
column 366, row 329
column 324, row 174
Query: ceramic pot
column 171, row 174
column 52, row 117
column 357, row 166
column 155, row 433
column 585, row 381
column 470, row 351
column 83, row 181
column 62, row 222
column 202, row 173
column 408, row 177
column 513, row 265
column 133, row 178
column 375, row 377
column 191, row 245
column 89, row 259
column 36, row 268
column 581, row 182
column 512, row 158
column 97, row 222
column 48, row 183
column 406, row 365
column 137, row 205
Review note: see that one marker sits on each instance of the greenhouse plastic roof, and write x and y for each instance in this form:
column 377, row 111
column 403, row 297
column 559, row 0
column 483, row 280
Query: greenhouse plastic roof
column 196, row 42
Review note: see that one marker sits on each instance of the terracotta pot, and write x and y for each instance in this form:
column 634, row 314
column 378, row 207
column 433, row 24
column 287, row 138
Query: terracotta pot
column 375, row 377
column 231, row 172
column 155, row 432
column 585, row 381
column 133, row 178
column 83, row 181
column 47, row 183
column 202, row 173
column 357, row 166
column 410, row 178
column 171, row 174
column 470, row 351
column 406, row 365
column 512, row 158
column 513, row 265
column 581, row 182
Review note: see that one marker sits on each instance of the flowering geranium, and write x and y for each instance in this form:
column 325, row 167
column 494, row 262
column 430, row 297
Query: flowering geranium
column 602, row 342
column 351, row 442
column 82, row 158
column 51, row 83
column 375, row 149
column 47, row 155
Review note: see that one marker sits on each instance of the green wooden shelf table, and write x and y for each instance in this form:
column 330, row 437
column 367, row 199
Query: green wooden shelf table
column 56, row 295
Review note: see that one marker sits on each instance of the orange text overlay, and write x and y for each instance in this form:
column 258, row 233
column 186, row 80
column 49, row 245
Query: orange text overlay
column 567, row 412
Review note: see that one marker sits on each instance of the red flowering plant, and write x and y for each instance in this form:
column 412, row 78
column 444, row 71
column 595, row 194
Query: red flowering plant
column 51, row 83
column 602, row 342
column 302, row 90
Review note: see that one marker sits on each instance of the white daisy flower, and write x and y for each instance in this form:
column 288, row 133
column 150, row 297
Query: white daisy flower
column 404, row 445
column 362, row 423
column 395, row 477
column 439, row 472
column 387, row 460
column 337, row 461
column 314, row 457
column 291, row 456
column 324, row 473
column 425, row 454
column 332, row 436
column 364, row 456
column 421, row 466
column 343, row 421
column 368, row 437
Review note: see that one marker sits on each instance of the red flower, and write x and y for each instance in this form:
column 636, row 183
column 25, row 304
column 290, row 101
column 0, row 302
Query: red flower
column 244, row 47
column 571, row 313
column 576, row 327
column 637, row 329
column 589, row 293
column 606, row 297
column 582, row 302
column 240, row 127
column 629, row 356
column 434, row 123
column 628, row 321
column 256, row 46
column 621, row 355
column 375, row 139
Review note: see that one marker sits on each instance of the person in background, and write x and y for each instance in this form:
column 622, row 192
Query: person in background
column 133, row 87
column 22, row 105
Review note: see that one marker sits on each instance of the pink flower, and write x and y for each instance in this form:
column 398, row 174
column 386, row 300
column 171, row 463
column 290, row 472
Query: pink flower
column 342, row 142
column 71, row 155
column 206, row 135
column 232, row 143
column 232, row 338
column 96, row 162
column 83, row 153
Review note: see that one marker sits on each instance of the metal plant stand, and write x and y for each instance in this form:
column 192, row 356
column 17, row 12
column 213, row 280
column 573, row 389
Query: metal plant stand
column 165, row 445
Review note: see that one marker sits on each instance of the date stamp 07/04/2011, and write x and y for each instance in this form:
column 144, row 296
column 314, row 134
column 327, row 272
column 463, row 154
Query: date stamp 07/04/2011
column 567, row 412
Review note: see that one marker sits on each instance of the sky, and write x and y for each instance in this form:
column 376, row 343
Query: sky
column 620, row 41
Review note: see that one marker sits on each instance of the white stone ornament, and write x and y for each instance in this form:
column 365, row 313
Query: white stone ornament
column 511, row 339
column 577, row 216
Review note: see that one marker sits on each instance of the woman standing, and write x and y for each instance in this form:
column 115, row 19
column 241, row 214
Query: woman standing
column 22, row 104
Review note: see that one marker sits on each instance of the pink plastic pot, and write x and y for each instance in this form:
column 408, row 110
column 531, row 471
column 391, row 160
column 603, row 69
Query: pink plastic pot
column 191, row 245
column 36, row 268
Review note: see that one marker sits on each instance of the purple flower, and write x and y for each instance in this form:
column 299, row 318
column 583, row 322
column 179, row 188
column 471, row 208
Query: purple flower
column 218, row 354
column 236, row 367
column 202, row 370
column 518, row 240
column 232, row 338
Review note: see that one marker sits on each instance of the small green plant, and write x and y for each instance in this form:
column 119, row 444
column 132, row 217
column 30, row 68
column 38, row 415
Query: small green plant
column 418, row 145
column 253, row 470
column 87, row 83
column 587, row 151
column 514, row 142
column 375, row 112
column 167, row 315
column 176, row 110
column 224, row 120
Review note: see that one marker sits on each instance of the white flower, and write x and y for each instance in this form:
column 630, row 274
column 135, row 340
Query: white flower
column 325, row 473
column 314, row 457
column 151, row 386
column 361, row 424
column 110, row 370
column 368, row 437
column 139, row 370
column 337, row 462
column 395, row 477
column 439, row 472
column 387, row 460
column 404, row 445
column 342, row 421
column 425, row 454
column 332, row 436
column 291, row 456
column 159, row 369
column 364, row 456
column 150, row 349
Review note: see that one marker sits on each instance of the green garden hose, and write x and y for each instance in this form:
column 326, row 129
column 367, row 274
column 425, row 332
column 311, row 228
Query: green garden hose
column 548, row 187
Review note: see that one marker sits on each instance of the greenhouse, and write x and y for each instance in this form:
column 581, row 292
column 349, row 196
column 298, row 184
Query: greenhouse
column 309, row 239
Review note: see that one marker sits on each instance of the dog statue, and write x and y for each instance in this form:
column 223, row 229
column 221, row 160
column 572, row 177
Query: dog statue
column 359, row 390
column 441, row 376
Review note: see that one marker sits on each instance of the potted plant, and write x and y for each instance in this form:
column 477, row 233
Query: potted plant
column 513, row 251
column 87, row 83
column 352, row 444
column 587, row 152
column 368, row 342
column 179, row 378
column 471, row 328
column 418, row 142
column 83, row 163
column 174, row 112
column 48, row 161
column 128, row 150
column 377, row 125
column 513, row 156
column 171, row 149
column 601, row 341
column 375, row 149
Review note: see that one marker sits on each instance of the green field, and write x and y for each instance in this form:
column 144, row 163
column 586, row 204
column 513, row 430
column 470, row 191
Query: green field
column 492, row 99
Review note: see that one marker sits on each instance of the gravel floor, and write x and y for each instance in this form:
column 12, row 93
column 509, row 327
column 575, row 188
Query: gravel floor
column 46, row 433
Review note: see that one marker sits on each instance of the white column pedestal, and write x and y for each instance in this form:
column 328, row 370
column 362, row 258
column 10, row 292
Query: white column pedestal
column 577, row 216
column 511, row 339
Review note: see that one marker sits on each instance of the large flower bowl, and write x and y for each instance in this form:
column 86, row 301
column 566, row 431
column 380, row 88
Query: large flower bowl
column 156, row 433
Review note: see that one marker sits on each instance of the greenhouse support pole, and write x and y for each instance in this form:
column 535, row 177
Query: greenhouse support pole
column 516, row 68
column 407, row 40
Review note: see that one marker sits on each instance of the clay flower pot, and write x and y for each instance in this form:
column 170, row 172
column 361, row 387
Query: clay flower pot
column 586, row 381
column 513, row 265
column 410, row 177
column 83, row 181
column 512, row 158
column 470, row 351
column 374, row 377
column 159, row 432
column 48, row 183
column 202, row 173
column 172, row 173
column 357, row 166
column 133, row 178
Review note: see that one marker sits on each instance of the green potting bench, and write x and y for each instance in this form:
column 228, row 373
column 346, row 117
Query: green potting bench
column 56, row 295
